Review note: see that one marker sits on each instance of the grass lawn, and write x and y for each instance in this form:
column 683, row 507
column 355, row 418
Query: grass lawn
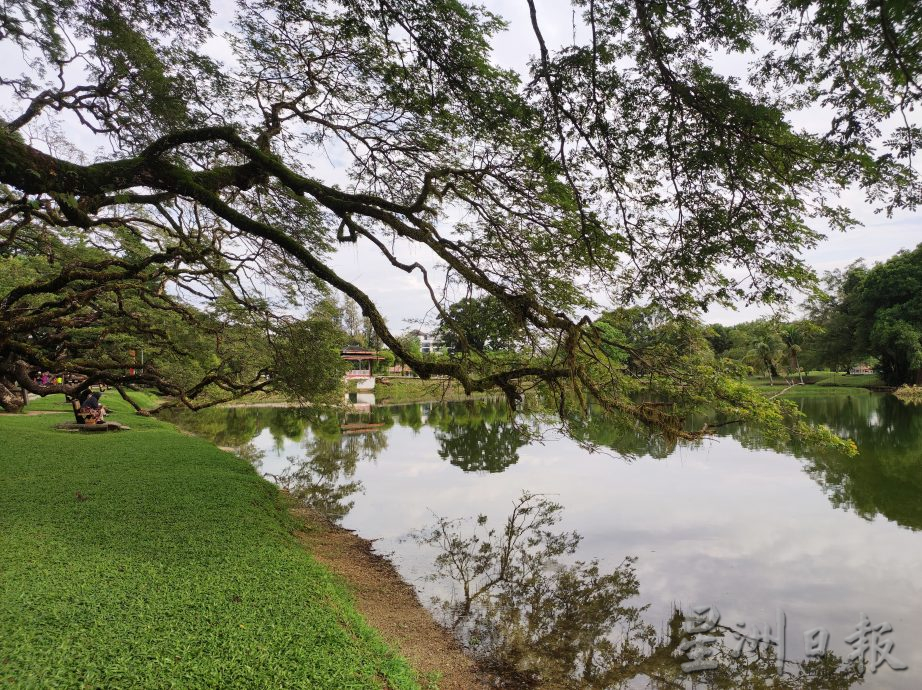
column 829, row 378
column 819, row 383
column 151, row 559
column 809, row 389
column 408, row 389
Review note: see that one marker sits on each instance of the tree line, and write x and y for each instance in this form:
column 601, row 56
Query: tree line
column 864, row 315
column 861, row 315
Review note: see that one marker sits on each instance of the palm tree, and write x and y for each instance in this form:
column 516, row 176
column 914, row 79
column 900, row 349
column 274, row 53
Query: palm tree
column 764, row 349
column 793, row 336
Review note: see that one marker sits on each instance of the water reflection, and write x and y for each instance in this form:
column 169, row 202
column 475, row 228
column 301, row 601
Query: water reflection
column 479, row 436
column 737, row 522
column 885, row 478
column 537, row 622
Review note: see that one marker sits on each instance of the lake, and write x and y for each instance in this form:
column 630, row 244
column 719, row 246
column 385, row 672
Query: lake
column 753, row 529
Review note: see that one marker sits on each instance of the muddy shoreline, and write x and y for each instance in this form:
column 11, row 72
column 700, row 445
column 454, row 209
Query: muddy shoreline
column 389, row 604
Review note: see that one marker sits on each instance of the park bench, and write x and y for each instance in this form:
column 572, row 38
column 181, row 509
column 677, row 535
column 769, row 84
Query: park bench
column 81, row 417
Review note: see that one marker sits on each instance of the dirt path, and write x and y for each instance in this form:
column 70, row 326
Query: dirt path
column 389, row 604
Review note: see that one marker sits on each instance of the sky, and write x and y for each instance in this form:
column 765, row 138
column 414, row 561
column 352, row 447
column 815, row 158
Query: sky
column 402, row 298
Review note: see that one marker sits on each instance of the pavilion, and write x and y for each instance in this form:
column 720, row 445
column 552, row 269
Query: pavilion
column 362, row 361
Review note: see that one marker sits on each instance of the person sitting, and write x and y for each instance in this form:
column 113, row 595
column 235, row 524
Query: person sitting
column 91, row 410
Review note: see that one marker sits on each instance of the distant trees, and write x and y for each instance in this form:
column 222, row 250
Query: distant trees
column 353, row 324
column 478, row 323
column 795, row 336
column 837, row 312
column 863, row 315
column 769, row 346
column 890, row 321
column 765, row 351
column 720, row 338
column 409, row 343
column 640, row 336
column 878, row 312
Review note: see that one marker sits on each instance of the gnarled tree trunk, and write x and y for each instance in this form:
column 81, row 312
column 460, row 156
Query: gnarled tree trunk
column 12, row 397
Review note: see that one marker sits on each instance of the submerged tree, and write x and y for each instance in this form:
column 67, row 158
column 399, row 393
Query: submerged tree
column 624, row 163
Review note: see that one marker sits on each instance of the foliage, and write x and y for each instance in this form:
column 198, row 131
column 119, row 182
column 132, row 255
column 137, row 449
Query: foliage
column 400, row 389
column 720, row 338
column 125, row 317
column 410, row 346
column 353, row 325
column 478, row 323
column 624, row 165
column 909, row 394
column 386, row 362
column 308, row 362
column 877, row 312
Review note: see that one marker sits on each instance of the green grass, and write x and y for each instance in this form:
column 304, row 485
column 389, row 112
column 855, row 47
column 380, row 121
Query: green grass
column 151, row 559
column 819, row 383
column 828, row 378
column 408, row 389
column 809, row 389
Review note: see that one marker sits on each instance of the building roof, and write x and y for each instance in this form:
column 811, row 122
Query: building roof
column 358, row 354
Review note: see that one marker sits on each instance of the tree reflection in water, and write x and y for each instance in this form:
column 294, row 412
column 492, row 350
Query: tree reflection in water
column 536, row 621
column 885, row 479
column 322, row 478
column 549, row 621
column 480, row 436
column 886, row 476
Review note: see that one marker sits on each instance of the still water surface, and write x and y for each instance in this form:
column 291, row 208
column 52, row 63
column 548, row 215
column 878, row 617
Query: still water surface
column 737, row 523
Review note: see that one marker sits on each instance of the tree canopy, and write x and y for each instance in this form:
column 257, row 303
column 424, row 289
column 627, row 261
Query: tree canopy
column 623, row 165
column 876, row 312
column 478, row 323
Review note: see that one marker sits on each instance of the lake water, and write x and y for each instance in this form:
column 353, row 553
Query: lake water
column 749, row 528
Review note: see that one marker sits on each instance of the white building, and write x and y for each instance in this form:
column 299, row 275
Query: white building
column 429, row 341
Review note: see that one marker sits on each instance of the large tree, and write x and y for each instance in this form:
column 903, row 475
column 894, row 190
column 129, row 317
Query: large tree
column 877, row 312
column 624, row 165
column 478, row 323
column 86, row 315
column 838, row 312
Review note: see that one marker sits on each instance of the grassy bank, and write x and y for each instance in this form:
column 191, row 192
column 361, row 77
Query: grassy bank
column 809, row 389
column 820, row 383
column 150, row 559
column 837, row 378
column 409, row 390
